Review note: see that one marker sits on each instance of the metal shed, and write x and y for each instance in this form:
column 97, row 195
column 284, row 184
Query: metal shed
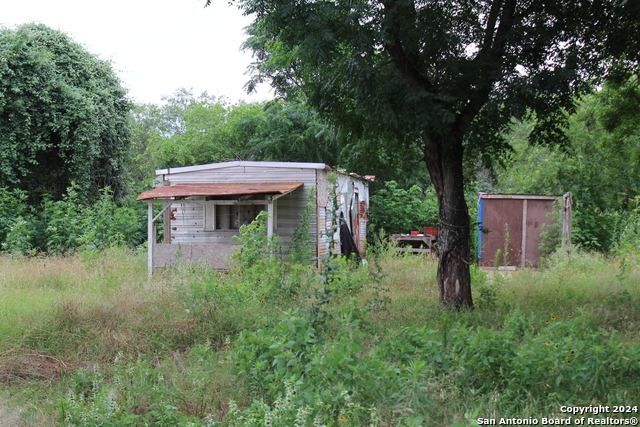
column 204, row 206
column 522, row 218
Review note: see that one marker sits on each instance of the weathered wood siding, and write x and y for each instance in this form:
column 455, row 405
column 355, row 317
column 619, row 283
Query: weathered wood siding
column 187, row 217
column 167, row 255
column 185, row 220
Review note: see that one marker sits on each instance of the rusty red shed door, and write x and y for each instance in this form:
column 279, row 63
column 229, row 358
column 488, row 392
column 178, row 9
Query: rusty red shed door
column 511, row 228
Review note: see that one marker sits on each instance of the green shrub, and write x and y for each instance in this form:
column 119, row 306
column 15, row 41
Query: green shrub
column 399, row 210
column 13, row 205
column 325, row 370
column 19, row 237
column 65, row 221
column 66, row 225
column 291, row 411
column 259, row 262
column 138, row 393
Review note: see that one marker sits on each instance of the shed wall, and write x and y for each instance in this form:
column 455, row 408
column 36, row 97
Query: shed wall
column 502, row 217
column 537, row 216
column 516, row 222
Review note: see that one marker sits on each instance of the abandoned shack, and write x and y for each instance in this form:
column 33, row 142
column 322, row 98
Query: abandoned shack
column 511, row 227
column 204, row 206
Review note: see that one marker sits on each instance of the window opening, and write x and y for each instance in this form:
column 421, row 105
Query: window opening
column 231, row 217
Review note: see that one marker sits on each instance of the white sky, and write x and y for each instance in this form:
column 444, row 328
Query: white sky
column 155, row 46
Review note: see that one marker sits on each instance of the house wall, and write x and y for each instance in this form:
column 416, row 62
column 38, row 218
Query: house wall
column 167, row 255
column 353, row 199
column 185, row 219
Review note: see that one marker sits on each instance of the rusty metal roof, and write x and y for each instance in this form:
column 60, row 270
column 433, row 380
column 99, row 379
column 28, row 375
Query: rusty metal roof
column 517, row 196
column 220, row 189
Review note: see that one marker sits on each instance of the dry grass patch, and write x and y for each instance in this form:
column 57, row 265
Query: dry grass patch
column 411, row 274
column 16, row 367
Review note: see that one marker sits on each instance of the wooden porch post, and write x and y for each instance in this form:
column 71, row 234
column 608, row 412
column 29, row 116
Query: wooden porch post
column 150, row 238
column 270, row 220
column 567, row 221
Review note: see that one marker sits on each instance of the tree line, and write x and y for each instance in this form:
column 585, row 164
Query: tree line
column 69, row 134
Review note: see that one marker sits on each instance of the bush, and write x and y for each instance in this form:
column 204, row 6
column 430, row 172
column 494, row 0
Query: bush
column 95, row 402
column 13, row 205
column 398, row 210
column 525, row 359
column 68, row 224
column 327, row 372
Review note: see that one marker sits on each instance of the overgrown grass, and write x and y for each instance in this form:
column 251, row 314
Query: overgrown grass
column 90, row 340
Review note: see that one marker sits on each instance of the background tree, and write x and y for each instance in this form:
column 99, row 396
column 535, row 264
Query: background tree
column 447, row 76
column 600, row 165
column 396, row 210
column 185, row 130
column 63, row 116
column 190, row 130
column 294, row 132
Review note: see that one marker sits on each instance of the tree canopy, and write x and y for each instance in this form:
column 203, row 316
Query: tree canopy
column 600, row 165
column 63, row 116
column 192, row 129
column 447, row 76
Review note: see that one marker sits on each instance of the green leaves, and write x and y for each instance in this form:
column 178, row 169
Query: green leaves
column 203, row 129
column 399, row 210
column 599, row 165
column 63, row 116
column 66, row 225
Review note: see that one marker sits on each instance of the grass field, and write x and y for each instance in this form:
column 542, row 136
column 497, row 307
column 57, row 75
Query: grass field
column 90, row 340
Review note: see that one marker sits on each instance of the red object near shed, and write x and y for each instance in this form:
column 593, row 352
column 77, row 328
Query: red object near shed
column 431, row 231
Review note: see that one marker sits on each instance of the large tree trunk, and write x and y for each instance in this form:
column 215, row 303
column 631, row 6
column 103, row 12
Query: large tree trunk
column 444, row 162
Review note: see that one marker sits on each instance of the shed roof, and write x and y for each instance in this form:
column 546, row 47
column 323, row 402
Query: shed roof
column 518, row 196
column 220, row 189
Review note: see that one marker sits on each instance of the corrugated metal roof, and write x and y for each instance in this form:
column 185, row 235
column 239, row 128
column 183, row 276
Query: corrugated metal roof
column 242, row 163
column 220, row 189
column 517, row 196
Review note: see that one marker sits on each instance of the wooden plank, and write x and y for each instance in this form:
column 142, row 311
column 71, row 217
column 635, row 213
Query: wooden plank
column 416, row 250
column 567, row 221
column 150, row 243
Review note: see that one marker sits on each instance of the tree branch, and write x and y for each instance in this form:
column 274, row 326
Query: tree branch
column 491, row 25
column 489, row 59
column 405, row 63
